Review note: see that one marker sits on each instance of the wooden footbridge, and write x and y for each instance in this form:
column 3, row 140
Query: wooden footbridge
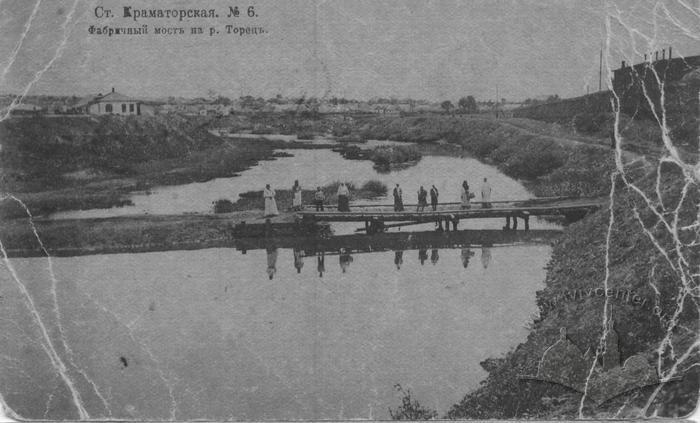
column 376, row 217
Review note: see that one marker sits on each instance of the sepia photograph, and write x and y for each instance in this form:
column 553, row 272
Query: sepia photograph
column 335, row 210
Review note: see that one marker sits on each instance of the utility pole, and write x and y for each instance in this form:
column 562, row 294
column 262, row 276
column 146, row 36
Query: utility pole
column 600, row 71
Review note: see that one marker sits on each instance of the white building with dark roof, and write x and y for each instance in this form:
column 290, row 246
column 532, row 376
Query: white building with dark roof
column 114, row 103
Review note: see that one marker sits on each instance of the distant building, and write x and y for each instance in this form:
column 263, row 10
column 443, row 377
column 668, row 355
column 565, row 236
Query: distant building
column 26, row 109
column 108, row 104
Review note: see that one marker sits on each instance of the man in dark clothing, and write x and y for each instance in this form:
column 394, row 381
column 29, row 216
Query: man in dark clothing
column 422, row 199
column 398, row 200
column 434, row 197
column 319, row 197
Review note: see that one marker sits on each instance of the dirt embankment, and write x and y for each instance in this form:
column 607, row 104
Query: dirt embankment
column 642, row 286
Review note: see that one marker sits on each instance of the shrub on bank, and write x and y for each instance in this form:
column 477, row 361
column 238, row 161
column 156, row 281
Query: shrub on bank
column 305, row 135
column 375, row 188
column 386, row 156
column 223, row 206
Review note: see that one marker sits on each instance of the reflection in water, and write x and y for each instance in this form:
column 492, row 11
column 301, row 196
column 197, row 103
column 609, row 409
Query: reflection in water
column 298, row 259
column 345, row 259
column 466, row 256
column 271, row 261
column 422, row 255
column 321, row 265
column 485, row 256
column 434, row 256
column 398, row 259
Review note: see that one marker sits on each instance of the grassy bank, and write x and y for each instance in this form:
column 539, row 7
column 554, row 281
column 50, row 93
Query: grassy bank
column 550, row 167
column 57, row 164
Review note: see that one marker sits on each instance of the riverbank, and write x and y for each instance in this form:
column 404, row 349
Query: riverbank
column 145, row 233
column 641, row 273
column 551, row 165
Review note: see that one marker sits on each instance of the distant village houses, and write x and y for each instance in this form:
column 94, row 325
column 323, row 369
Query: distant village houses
column 26, row 109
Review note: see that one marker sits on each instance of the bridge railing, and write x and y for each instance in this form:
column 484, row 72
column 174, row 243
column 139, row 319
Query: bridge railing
column 441, row 206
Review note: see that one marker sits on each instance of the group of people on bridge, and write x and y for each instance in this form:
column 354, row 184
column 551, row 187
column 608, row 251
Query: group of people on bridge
column 465, row 197
column 343, row 195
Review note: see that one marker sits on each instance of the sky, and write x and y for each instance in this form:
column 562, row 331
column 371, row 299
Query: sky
column 434, row 50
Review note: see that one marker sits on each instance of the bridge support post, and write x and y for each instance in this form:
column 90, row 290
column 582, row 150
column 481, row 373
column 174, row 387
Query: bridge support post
column 455, row 222
column 515, row 222
column 268, row 228
column 438, row 224
column 366, row 226
column 526, row 218
column 507, row 227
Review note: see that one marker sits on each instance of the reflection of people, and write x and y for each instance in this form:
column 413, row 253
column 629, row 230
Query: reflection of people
column 296, row 200
column 398, row 200
column 343, row 198
column 398, row 259
column 434, row 257
column 422, row 255
column 485, row 194
column 434, row 197
column 320, row 259
column 319, row 196
column 270, row 203
column 466, row 255
column 345, row 259
column 298, row 260
column 271, row 261
column 466, row 195
column 485, row 256
column 422, row 199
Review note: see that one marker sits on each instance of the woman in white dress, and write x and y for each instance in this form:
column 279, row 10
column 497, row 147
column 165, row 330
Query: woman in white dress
column 270, row 203
column 296, row 200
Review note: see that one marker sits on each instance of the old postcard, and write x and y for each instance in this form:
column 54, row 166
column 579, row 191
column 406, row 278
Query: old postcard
column 340, row 210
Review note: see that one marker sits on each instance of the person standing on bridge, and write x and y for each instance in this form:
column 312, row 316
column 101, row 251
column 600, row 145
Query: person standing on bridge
column 398, row 199
column 434, row 197
column 485, row 194
column 319, row 197
column 270, row 203
column 422, row 199
column 296, row 200
column 466, row 196
column 343, row 198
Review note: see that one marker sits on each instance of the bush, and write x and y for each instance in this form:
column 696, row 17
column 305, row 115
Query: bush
column 532, row 164
column 305, row 135
column 385, row 156
column 223, row 206
column 410, row 409
column 376, row 188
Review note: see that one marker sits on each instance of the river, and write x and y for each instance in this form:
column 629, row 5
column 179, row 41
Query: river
column 271, row 333
column 220, row 334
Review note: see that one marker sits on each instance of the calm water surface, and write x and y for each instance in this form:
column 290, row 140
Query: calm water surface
column 269, row 334
column 316, row 168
